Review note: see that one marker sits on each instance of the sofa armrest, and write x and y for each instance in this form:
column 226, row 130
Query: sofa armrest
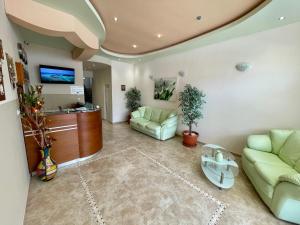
column 260, row 142
column 170, row 121
column 135, row 114
column 293, row 178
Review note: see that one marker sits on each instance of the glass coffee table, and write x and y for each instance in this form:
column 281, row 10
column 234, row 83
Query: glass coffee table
column 219, row 166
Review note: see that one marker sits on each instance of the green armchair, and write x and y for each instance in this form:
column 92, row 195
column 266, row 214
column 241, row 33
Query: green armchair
column 158, row 123
column 272, row 163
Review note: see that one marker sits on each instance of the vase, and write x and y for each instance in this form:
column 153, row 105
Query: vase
column 219, row 156
column 47, row 167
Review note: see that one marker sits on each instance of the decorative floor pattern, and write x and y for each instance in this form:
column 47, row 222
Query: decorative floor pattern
column 97, row 167
column 110, row 188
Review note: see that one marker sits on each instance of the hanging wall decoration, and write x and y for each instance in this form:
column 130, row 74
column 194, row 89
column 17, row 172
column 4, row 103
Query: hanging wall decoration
column 164, row 88
column 2, row 91
column 1, row 51
column 22, row 53
column 11, row 70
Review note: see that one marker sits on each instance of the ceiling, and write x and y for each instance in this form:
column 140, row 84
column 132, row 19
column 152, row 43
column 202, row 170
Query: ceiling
column 140, row 22
column 262, row 18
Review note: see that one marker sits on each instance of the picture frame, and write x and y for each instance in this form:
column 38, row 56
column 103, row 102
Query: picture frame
column 123, row 87
column 2, row 90
column 1, row 51
column 11, row 70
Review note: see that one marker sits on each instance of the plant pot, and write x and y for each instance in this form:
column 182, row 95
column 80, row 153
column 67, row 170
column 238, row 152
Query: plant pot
column 190, row 140
column 128, row 118
column 47, row 167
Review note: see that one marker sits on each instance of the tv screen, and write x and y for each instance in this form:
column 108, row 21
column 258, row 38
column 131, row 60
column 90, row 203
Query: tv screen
column 57, row 75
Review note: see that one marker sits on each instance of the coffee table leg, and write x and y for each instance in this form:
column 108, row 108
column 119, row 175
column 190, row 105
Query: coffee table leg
column 222, row 178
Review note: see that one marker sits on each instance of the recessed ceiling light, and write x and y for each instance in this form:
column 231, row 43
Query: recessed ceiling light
column 281, row 18
column 159, row 35
column 134, row 46
column 198, row 17
column 115, row 19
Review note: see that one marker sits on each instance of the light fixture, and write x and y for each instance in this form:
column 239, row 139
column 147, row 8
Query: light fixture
column 198, row 17
column 134, row 46
column 115, row 19
column 281, row 18
column 159, row 35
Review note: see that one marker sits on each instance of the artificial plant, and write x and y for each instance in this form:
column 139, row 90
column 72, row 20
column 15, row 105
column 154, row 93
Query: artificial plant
column 191, row 102
column 33, row 117
column 133, row 96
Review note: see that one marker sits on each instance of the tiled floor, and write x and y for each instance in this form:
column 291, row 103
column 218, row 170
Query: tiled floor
column 136, row 180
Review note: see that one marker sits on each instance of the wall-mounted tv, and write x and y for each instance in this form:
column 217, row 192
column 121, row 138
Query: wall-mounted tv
column 56, row 75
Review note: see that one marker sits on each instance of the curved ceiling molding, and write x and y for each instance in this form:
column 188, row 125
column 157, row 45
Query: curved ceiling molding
column 31, row 15
column 157, row 25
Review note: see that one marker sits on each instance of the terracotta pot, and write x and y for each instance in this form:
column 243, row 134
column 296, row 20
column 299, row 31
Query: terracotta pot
column 190, row 140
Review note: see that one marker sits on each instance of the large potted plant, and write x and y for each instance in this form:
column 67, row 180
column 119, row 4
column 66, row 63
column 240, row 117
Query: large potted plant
column 34, row 120
column 191, row 103
column 133, row 97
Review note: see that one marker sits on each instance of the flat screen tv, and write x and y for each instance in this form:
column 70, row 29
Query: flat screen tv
column 56, row 75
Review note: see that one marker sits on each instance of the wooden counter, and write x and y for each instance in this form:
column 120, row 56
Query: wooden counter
column 77, row 135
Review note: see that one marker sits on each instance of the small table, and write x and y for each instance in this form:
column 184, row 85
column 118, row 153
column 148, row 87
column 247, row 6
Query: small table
column 219, row 166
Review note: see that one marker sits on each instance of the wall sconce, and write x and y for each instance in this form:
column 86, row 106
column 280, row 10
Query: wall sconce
column 243, row 66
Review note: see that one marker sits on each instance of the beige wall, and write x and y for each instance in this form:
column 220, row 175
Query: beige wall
column 13, row 164
column 37, row 55
column 100, row 79
column 238, row 104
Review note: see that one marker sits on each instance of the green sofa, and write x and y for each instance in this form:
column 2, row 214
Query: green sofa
column 272, row 163
column 157, row 123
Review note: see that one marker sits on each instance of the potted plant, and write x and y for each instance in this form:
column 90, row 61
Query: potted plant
column 133, row 96
column 34, row 120
column 191, row 102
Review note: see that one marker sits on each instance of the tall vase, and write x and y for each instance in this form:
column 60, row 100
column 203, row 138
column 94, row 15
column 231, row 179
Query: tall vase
column 47, row 167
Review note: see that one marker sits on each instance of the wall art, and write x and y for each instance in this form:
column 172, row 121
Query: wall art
column 123, row 87
column 2, row 91
column 164, row 88
column 1, row 50
column 22, row 53
column 11, row 70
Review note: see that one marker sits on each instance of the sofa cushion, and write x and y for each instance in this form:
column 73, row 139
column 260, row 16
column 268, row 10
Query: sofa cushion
column 142, row 122
column 290, row 151
column 148, row 113
column 263, row 157
column 155, row 115
column 278, row 138
column 271, row 173
column 260, row 142
column 142, row 111
column 153, row 127
column 164, row 115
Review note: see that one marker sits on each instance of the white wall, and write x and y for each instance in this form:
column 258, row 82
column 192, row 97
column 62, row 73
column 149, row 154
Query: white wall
column 122, row 73
column 13, row 164
column 238, row 104
column 100, row 79
column 37, row 55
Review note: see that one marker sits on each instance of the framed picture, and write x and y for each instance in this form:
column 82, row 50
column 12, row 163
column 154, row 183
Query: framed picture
column 11, row 70
column 22, row 53
column 164, row 88
column 123, row 87
column 1, row 50
column 2, row 91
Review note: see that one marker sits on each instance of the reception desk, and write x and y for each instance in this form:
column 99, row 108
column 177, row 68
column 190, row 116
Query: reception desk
column 77, row 135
